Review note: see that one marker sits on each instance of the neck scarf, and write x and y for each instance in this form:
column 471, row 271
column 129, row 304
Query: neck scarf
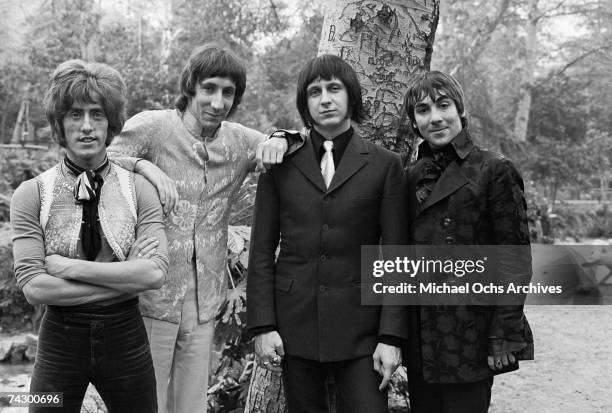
column 432, row 169
column 87, row 190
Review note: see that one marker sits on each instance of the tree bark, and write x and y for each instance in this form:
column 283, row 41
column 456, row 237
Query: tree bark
column 266, row 393
column 386, row 42
column 521, row 121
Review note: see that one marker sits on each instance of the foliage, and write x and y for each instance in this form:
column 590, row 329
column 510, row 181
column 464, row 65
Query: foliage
column 15, row 312
column 234, row 352
column 578, row 224
column 566, row 151
column 18, row 165
column 484, row 47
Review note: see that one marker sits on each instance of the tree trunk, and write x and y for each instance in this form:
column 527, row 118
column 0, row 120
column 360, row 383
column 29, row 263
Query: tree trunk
column 521, row 121
column 386, row 43
column 266, row 393
column 4, row 134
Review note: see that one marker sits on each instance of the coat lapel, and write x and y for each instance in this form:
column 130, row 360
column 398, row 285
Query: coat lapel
column 354, row 158
column 450, row 181
column 305, row 161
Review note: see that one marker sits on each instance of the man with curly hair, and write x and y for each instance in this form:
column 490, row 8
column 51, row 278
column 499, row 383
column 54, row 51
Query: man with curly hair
column 88, row 237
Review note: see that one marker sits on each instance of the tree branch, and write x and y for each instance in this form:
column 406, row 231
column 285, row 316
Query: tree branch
column 274, row 7
column 480, row 41
column 571, row 63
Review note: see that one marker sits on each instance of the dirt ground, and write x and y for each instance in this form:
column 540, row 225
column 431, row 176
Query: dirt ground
column 572, row 371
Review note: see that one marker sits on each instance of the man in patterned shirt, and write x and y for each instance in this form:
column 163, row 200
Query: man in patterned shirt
column 193, row 154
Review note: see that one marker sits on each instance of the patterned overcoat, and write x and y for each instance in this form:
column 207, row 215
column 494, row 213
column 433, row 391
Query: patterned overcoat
column 478, row 199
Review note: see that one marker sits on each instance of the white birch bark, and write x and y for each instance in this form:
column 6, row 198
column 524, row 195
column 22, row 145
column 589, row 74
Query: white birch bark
column 521, row 120
column 386, row 42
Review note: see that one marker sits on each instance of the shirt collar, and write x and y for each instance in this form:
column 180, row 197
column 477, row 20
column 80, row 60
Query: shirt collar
column 74, row 170
column 461, row 145
column 194, row 126
column 340, row 142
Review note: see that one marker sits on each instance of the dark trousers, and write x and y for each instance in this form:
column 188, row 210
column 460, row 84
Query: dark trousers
column 356, row 385
column 450, row 397
column 105, row 346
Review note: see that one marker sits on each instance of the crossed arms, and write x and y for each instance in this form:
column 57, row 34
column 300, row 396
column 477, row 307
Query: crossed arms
column 62, row 281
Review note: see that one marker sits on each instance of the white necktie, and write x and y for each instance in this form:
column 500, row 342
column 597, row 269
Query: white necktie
column 327, row 163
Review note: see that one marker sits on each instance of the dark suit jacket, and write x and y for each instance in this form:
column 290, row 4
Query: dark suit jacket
column 478, row 199
column 311, row 294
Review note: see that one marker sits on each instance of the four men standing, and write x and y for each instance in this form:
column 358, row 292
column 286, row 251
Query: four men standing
column 330, row 197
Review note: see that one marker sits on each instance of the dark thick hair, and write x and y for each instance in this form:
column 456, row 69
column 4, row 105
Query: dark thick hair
column 211, row 60
column 328, row 66
column 431, row 84
column 77, row 81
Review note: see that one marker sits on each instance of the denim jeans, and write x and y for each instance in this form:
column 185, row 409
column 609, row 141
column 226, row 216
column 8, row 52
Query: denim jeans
column 106, row 346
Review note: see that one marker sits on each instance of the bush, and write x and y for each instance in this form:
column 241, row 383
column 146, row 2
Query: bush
column 15, row 312
column 578, row 224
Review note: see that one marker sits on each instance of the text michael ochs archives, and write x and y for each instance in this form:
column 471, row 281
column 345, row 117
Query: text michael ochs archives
column 453, row 275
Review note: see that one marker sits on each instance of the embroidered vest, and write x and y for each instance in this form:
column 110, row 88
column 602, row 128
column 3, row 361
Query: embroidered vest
column 61, row 216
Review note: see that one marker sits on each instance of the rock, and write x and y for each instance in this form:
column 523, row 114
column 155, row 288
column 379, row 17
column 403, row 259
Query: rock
column 31, row 342
column 5, row 352
column 18, row 352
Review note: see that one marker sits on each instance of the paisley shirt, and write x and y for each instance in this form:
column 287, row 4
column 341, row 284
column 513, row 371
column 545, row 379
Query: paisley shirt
column 208, row 174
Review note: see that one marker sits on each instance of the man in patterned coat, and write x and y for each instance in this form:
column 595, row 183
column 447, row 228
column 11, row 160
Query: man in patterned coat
column 465, row 195
column 193, row 154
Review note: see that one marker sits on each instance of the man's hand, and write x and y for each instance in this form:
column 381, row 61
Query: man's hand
column 269, row 350
column 143, row 248
column 386, row 360
column 498, row 362
column 59, row 266
column 166, row 187
column 270, row 152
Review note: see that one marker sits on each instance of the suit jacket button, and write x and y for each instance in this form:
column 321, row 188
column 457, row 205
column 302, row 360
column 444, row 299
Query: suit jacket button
column 322, row 288
column 323, row 257
column 449, row 240
column 325, row 227
column 447, row 222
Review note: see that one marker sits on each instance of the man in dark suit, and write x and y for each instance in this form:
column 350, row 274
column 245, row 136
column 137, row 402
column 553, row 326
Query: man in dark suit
column 470, row 196
column 323, row 204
